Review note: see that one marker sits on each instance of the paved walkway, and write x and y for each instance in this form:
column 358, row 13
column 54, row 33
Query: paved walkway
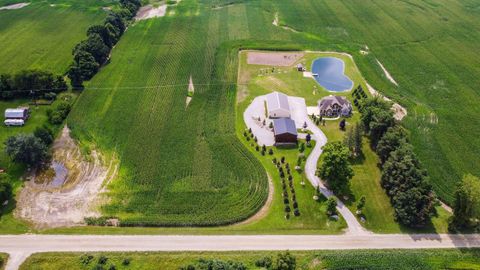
column 21, row 246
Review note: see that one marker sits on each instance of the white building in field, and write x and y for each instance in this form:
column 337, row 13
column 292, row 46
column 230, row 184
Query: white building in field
column 16, row 117
column 277, row 105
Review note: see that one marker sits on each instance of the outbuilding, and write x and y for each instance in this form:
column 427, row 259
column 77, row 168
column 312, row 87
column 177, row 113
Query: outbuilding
column 277, row 105
column 285, row 131
column 19, row 113
column 14, row 122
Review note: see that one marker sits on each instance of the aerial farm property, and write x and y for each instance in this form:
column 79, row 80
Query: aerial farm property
column 131, row 128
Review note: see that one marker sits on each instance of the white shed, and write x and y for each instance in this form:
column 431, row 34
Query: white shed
column 14, row 122
column 277, row 105
column 19, row 113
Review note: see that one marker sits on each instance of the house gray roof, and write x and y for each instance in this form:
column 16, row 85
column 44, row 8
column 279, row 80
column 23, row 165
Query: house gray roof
column 329, row 101
column 277, row 101
column 284, row 125
column 15, row 113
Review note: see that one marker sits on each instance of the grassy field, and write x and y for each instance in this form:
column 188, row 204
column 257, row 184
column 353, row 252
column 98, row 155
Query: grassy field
column 341, row 259
column 43, row 34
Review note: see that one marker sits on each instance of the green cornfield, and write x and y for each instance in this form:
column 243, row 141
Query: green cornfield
column 185, row 166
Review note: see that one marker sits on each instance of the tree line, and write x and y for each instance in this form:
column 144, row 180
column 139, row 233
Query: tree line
column 403, row 177
column 30, row 83
column 90, row 54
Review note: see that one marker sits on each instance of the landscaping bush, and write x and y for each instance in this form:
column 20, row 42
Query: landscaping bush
column 59, row 113
column 265, row 262
column 44, row 134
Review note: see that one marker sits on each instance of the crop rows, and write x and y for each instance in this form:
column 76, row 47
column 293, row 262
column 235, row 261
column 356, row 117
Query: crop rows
column 184, row 166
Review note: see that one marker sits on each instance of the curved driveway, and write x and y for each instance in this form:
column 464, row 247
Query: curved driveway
column 300, row 115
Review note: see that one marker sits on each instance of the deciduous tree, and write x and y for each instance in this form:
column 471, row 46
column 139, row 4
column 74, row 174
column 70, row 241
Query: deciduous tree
column 335, row 168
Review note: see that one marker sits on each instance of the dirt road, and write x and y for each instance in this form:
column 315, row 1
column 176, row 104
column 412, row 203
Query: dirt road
column 20, row 246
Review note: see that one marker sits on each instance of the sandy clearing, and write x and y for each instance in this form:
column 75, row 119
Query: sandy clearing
column 282, row 59
column 15, row 6
column 191, row 89
column 149, row 11
column 47, row 207
column 387, row 74
column 399, row 112
column 275, row 20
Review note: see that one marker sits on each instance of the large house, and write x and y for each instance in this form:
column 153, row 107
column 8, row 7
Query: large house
column 334, row 106
column 277, row 105
column 285, row 131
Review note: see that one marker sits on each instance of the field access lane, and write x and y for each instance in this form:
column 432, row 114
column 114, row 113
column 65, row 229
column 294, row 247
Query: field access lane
column 20, row 246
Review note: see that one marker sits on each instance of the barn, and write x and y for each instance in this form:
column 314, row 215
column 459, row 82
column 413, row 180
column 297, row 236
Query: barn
column 277, row 105
column 285, row 131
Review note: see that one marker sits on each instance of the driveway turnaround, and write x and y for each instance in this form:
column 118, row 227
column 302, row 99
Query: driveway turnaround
column 21, row 246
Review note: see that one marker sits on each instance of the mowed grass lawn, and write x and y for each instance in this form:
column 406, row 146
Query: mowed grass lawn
column 43, row 34
column 338, row 259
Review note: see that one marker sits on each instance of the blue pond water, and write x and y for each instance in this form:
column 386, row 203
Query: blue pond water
column 331, row 75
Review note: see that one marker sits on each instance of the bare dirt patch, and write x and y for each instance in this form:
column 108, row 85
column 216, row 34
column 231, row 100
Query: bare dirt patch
column 387, row 74
column 149, row 11
column 15, row 6
column 191, row 91
column 48, row 204
column 282, row 59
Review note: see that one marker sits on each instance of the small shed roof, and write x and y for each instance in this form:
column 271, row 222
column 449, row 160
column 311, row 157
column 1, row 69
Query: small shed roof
column 277, row 101
column 15, row 113
column 284, row 125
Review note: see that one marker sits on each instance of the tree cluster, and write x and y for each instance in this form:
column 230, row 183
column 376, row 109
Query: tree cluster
column 408, row 187
column 59, row 112
column 30, row 83
column 90, row 54
column 336, row 169
column 213, row 264
column 466, row 208
column 403, row 177
column 30, row 149
column 353, row 140
column 376, row 118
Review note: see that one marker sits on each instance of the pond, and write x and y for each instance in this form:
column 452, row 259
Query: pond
column 60, row 174
column 329, row 72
